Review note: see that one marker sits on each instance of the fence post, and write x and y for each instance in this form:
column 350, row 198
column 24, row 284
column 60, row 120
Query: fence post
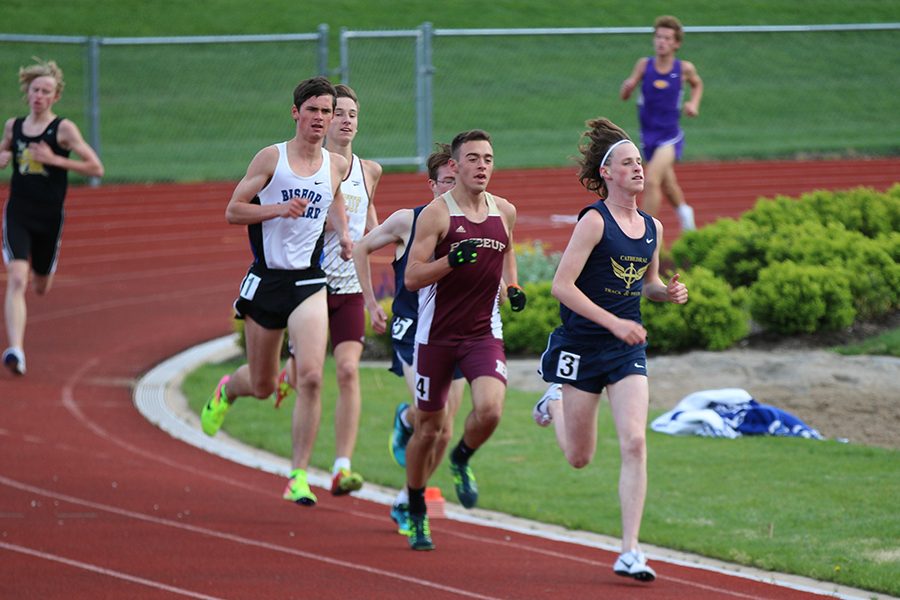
column 344, row 69
column 424, row 104
column 93, row 98
column 322, row 52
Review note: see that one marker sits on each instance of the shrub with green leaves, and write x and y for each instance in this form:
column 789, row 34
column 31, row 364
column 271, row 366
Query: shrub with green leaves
column 738, row 257
column 771, row 214
column 692, row 248
column 861, row 209
column 789, row 298
column 534, row 263
column 714, row 317
column 874, row 275
column 526, row 332
column 891, row 244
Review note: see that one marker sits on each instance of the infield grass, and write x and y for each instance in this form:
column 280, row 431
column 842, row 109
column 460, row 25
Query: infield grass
column 821, row 509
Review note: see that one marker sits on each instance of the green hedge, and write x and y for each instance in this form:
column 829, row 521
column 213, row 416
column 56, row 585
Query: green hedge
column 853, row 233
column 792, row 298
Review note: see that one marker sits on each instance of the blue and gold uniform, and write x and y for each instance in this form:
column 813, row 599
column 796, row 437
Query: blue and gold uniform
column 582, row 353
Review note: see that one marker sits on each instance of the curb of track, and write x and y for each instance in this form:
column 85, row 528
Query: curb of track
column 157, row 396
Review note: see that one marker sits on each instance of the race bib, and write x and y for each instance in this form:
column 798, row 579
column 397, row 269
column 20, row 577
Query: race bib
column 249, row 286
column 567, row 367
column 400, row 326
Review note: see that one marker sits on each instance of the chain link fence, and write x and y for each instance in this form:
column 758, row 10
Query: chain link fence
column 197, row 109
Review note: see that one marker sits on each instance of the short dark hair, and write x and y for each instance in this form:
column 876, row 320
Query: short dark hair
column 467, row 136
column 345, row 91
column 313, row 88
column 437, row 159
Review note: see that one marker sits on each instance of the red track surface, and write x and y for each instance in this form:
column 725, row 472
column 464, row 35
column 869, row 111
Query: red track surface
column 97, row 503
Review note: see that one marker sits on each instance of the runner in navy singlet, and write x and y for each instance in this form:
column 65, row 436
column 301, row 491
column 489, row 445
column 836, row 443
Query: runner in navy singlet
column 463, row 245
column 288, row 191
column 612, row 259
column 38, row 145
column 659, row 110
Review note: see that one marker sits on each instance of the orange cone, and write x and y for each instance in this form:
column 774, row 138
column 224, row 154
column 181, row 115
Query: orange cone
column 434, row 501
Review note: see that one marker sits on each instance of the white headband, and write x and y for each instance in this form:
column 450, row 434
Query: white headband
column 611, row 148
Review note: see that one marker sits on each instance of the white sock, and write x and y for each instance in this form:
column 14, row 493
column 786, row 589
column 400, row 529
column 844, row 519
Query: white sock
column 341, row 462
column 686, row 216
column 404, row 420
column 402, row 497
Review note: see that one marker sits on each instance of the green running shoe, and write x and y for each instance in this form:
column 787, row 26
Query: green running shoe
column 464, row 483
column 419, row 533
column 346, row 481
column 399, row 437
column 297, row 489
column 213, row 414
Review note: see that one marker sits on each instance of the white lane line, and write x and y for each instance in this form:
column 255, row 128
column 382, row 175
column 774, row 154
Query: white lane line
column 103, row 571
column 238, row 539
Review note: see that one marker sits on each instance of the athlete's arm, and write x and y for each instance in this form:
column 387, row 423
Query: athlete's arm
column 240, row 211
column 6, row 143
column 510, row 267
column 587, row 234
column 689, row 73
column 632, row 81
column 69, row 137
column 394, row 230
column 337, row 212
column 654, row 288
column 372, row 173
column 431, row 227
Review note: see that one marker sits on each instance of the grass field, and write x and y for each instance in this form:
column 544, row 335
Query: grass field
column 820, row 509
column 189, row 113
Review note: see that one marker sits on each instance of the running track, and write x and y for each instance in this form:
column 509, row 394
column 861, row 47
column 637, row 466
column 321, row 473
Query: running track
column 97, row 503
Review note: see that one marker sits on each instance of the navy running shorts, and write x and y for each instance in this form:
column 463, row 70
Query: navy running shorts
column 588, row 365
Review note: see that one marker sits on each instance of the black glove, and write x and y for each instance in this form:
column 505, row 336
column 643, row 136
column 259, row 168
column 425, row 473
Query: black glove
column 466, row 252
column 516, row 297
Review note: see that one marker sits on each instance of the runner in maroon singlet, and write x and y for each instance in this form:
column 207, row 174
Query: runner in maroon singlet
column 462, row 248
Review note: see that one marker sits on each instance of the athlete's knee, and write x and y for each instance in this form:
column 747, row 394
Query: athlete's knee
column 633, row 447
column 489, row 413
column 347, row 371
column 430, row 428
column 16, row 282
column 310, row 380
column 579, row 458
column 445, row 435
column 651, row 183
column 263, row 388
column 41, row 287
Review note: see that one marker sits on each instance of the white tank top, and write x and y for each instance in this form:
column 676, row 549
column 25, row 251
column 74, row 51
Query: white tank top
column 286, row 243
column 340, row 273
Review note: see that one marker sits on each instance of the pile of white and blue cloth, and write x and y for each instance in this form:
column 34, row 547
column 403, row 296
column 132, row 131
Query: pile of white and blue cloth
column 729, row 413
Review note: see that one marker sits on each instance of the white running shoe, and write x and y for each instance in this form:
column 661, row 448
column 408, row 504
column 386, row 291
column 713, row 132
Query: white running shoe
column 634, row 564
column 541, row 413
column 686, row 217
column 14, row 359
